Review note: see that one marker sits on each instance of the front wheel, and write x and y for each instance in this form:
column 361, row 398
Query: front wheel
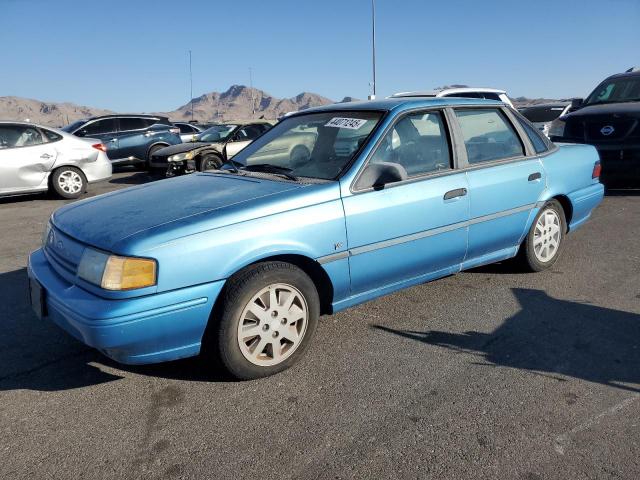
column 268, row 316
column 541, row 249
column 209, row 162
column 68, row 182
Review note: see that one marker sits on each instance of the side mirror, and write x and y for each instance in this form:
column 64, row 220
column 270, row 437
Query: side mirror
column 576, row 103
column 377, row 175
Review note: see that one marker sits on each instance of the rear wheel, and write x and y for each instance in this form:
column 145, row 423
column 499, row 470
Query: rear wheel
column 68, row 182
column 543, row 244
column 268, row 316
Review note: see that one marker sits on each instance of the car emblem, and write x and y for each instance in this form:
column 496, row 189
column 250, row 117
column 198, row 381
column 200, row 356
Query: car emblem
column 607, row 130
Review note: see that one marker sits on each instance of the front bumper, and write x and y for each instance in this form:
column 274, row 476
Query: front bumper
column 150, row 329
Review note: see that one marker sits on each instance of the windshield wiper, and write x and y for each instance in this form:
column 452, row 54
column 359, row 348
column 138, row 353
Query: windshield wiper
column 268, row 168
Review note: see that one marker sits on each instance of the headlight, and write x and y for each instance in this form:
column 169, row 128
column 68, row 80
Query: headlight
column 179, row 157
column 113, row 272
column 557, row 128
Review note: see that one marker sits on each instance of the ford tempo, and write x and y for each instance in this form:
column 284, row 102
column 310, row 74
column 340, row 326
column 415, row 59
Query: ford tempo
column 239, row 263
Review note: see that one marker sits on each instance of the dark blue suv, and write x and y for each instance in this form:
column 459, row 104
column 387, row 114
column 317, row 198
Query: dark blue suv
column 130, row 139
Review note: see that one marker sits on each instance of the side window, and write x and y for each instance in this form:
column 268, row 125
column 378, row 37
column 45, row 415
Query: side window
column 250, row 132
column 99, row 127
column 132, row 123
column 491, row 96
column 184, row 128
column 465, row 95
column 418, row 143
column 51, row 136
column 539, row 144
column 488, row 135
column 14, row 136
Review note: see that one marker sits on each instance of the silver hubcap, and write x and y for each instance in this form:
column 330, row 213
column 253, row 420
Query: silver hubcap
column 547, row 236
column 272, row 325
column 70, row 181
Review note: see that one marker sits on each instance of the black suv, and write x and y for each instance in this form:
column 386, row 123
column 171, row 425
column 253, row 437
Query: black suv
column 609, row 119
column 130, row 139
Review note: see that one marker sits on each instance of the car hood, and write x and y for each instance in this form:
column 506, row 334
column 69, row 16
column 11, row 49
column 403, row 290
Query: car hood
column 183, row 147
column 110, row 221
column 607, row 108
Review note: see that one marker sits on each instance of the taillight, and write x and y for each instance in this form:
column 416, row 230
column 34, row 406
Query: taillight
column 100, row 146
column 597, row 170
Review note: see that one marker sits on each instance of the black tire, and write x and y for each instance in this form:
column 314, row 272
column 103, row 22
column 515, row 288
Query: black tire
column 146, row 165
column 209, row 161
column 70, row 190
column 221, row 343
column 527, row 254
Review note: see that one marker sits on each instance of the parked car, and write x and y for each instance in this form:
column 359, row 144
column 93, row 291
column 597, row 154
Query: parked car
column 34, row 158
column 188, row 130
column 543, row 114
column 209, row 147
column 130, row 139
column 238, row 264
column 609, row 119
column 461, row 92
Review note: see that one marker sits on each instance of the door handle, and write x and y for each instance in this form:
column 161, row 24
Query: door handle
column 535, row 176
column 45, row 156
column 458, row 192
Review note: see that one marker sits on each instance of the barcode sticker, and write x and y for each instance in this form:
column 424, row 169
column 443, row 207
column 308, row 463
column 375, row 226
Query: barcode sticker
column 350, row 123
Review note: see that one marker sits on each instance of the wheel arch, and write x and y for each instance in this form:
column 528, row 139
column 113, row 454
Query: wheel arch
column 57, row 167
column 566, row 205
column 159, row 143
column 315, row 271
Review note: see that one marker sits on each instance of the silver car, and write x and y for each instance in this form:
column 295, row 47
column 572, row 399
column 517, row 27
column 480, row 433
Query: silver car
column 36, row 159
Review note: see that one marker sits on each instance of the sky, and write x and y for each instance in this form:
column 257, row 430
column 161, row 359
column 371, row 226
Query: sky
column 134, row 55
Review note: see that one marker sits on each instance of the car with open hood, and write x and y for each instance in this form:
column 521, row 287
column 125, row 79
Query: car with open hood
column 237, row 264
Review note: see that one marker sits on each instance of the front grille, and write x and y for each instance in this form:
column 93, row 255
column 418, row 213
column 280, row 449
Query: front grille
column 609, row 129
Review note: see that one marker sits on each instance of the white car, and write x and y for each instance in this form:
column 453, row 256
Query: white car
column 34, row 158
column 465, row 92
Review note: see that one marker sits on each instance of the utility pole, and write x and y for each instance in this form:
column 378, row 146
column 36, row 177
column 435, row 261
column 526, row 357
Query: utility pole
column 373, row 44
column 191, row 83
column 253, row 102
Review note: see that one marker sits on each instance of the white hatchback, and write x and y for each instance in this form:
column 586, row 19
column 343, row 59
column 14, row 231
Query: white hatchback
column 34, row 158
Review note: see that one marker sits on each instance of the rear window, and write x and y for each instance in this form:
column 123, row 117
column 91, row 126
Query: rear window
column 539, row 142
column 132, row 123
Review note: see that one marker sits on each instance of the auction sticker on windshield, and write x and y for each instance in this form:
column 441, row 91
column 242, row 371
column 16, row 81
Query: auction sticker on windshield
column 350, row 123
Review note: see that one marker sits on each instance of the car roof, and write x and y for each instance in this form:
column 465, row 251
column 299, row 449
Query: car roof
column 399, row 103
column 448, row 91
column 627, row 74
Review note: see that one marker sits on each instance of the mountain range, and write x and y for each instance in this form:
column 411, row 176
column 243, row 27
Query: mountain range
column 239, row 102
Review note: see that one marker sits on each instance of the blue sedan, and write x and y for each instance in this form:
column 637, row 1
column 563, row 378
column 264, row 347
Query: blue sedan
column 238, row 264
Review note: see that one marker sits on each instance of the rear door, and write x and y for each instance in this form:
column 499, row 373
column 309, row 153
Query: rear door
column 105, row 130
column 132, row 141
column 505, row 181
column 26, row 157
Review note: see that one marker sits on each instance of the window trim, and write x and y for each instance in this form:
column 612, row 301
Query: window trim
column 137, row 129
column 453, row 151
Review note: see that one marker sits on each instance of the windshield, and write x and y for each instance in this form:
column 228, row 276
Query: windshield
column 316, row 145
column 217, row 133
column 624, row 89
column 74, row 126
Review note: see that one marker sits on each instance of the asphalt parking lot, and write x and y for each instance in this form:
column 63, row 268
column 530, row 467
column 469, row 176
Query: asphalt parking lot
column 486, row 374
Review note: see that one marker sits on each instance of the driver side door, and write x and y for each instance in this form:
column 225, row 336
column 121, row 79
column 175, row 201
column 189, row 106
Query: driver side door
column 243, row 137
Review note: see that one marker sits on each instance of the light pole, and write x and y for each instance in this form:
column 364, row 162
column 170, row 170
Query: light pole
column 253, row 102
column 373, row 44
column 191, row 83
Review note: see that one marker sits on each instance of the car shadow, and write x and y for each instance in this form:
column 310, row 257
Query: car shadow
column 24, row 198
column 621, row 192
column 138, row 178
column 556, row 337
column 38, row 355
